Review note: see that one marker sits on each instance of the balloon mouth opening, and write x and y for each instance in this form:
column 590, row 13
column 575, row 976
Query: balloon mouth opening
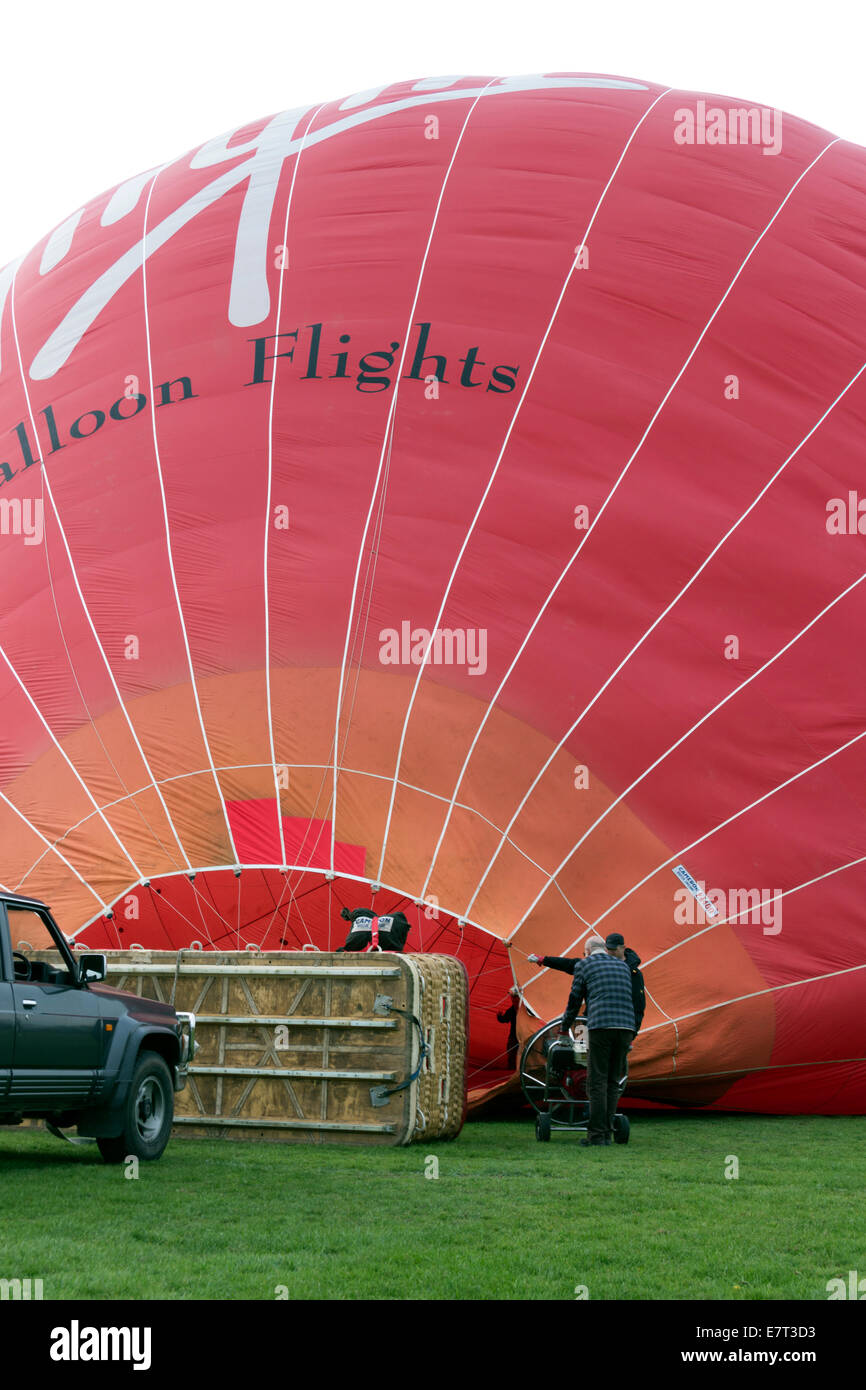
column 269, row 908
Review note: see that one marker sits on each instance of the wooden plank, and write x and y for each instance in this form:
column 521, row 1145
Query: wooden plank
column 244, row 971
column 282, row 1124
column 293, row 1021
column 304, row 1072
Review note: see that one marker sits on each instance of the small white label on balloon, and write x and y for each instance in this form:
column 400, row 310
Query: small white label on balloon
column 696, row 891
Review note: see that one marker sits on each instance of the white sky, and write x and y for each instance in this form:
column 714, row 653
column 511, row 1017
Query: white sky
column 93, row 91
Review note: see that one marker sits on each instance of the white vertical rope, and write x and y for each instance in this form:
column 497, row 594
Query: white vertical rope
column 487, row 489
column 600, row 513
column 684, row 941
column 777, row 897
column 756, row 994
column 652, row 628
column 484, row 496
column 283, row 251
column 69, row 763
column 385, row 448
column 54, row 850
column 46, row 484
column 168, row 544
column 490, row 482
column 686, row 848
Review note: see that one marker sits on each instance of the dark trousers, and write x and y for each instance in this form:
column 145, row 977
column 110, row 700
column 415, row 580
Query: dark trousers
column 606, row 1066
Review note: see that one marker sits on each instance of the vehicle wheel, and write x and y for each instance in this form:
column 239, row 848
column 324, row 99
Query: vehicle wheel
column 621, row 1129
column 542, row 1128
column 147, row 1113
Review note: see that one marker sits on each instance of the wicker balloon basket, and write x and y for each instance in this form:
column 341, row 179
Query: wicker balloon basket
column 314, row 1047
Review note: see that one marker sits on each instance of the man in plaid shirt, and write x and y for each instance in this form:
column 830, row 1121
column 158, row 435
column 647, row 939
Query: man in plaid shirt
column 604, row 982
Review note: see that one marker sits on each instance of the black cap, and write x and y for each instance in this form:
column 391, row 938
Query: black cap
column 614, row 940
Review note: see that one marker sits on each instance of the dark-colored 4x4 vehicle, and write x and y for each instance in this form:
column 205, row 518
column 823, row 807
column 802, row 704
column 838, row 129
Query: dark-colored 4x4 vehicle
column 75, row 1052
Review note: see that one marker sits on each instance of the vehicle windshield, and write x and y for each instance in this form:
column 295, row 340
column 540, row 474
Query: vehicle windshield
column 30, row 937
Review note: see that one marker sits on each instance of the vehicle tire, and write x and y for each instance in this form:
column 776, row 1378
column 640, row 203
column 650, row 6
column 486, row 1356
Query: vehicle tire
column 542, row 1128
column 621, row 1129
column 147, row 1113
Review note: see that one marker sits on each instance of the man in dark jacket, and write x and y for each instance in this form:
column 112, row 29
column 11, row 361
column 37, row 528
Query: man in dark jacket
column 616, row 944
column 388, row 932
column 604, row 983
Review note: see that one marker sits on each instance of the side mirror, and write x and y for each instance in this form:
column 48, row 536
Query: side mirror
column 91, row 968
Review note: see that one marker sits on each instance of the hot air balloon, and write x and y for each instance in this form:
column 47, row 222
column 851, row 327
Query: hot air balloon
column 448, row 498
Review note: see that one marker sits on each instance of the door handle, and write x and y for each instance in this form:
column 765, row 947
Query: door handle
column 29, row 1003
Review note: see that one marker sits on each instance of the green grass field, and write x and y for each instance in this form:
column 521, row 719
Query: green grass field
column 507, row 1218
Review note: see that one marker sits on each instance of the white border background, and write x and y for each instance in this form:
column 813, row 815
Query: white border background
column 94, row 91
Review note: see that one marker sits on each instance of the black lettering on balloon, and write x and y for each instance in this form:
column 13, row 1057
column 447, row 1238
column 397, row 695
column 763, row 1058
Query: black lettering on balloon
column 75, row 428
column 261, row 356
column 116, row 413
column 313, row 361
column 342, row 358
column 26, row 453
column 54, row 437
column 370, row 384
column 420, row 357
column 470, row 360
column 506, row 383
column 164, row 389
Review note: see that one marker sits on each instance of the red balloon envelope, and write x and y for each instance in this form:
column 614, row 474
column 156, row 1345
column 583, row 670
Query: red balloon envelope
column 454, row 489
